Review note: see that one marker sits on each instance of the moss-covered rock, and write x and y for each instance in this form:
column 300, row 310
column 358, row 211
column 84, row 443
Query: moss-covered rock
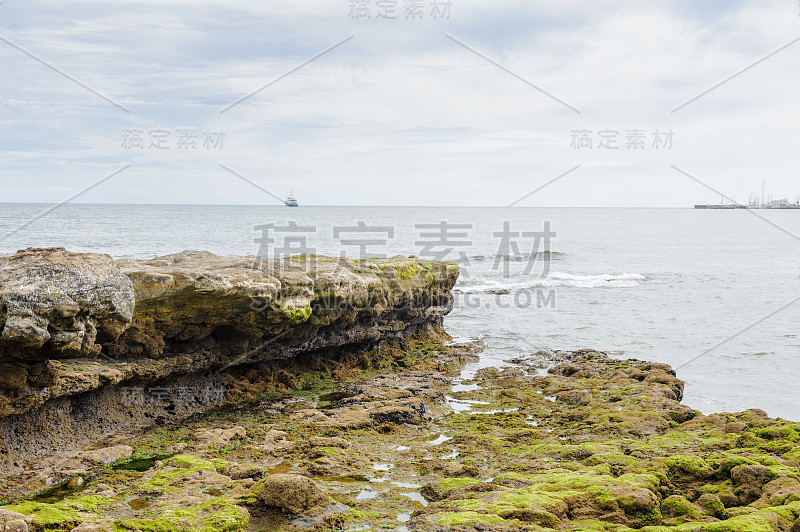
column 294, row 494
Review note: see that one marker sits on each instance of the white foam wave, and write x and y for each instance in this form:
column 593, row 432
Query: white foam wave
column 553, row 280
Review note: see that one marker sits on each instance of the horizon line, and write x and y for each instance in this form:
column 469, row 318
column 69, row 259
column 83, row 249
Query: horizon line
column 270, row 205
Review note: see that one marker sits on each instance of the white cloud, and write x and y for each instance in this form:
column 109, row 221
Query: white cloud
column 399, row 114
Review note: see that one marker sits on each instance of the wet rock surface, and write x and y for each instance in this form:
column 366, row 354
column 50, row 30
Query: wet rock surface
column 388, row 441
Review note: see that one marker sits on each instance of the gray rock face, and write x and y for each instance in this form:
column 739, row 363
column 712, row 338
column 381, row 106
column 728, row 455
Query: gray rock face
column 56, row 304
column 161, row 321
column 229, row 306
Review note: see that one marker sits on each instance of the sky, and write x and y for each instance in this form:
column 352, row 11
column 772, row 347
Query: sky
column 459, row 102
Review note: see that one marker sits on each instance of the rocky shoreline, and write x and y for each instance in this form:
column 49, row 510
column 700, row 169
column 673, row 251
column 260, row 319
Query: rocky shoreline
column 384, row 440
column 87, row 343
column 379, row 434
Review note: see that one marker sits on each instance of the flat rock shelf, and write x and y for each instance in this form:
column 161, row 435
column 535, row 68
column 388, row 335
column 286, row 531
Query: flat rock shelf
column 81, row 335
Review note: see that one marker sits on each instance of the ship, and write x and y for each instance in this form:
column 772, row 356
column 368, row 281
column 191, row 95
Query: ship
column 721, row 205
column 291, row 201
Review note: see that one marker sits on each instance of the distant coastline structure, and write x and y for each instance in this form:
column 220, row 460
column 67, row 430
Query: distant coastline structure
column 755, row 202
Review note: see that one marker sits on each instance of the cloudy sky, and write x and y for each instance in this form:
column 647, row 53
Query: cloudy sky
column 462, row 103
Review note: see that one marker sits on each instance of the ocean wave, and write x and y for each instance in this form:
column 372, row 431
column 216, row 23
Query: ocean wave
column 553, row 280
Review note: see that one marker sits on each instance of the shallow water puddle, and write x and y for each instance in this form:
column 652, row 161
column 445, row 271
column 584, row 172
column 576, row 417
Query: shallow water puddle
column 139, row 464
column 365, row 495
column 407, row 485
column 61, row 491
column 414, row 496
column 462, row 405
column 138, row 504
column 440, row 440
column 402, row 448
column 382, row 467
column 283, row 467
column 429, row 438
column 330, row 400
column 493, row 411
column 403, row 517
column 450, row 456
column 465, row 387
column 346, row 478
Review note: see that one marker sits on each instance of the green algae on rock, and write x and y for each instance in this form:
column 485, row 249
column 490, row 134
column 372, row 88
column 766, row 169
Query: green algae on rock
column 633, row 458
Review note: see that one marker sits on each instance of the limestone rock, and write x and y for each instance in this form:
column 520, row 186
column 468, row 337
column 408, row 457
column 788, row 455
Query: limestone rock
column 274, row 435
column 166, row 324
column 778, row 491
column 107, row 455
column 712, row 505
column 194, row 311
column 12, row 521
column 235, row 304
column 238, row 471
column 574, row 397
column 216, row 437
column 102, row 525
column 56, row 304
column 335, row 441
column 749, row 480
column 735, row 427
column 294, row 494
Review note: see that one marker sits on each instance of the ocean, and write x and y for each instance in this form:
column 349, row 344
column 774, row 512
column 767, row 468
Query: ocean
column 710, row 292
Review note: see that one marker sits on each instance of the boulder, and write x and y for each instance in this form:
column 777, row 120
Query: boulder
column 56, row 304
column 239, row 471
column 712, row 505
column 749, row 480
column 294, row 494
column 13, row 521
column 217, row 437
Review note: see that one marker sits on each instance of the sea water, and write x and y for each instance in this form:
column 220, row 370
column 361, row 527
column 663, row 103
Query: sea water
column 709, row 292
